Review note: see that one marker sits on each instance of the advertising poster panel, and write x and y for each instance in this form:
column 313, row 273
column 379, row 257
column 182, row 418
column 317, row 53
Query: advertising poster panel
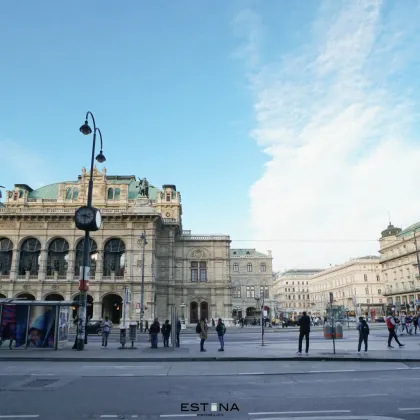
column 41, row 327
column 14, row 321
column 63, row 326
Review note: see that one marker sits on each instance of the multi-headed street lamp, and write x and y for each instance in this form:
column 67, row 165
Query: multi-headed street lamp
column 88, row 219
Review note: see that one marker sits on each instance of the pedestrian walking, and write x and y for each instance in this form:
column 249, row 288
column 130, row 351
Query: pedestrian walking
column 178, row 331
column 146, row 328
column 363, row 329
column 221, row 330
column 415, row 323
column 201, row 329
column 106, row 326
column 154, row 331
column 304, row 324
column 166, row 332
column 391, row 324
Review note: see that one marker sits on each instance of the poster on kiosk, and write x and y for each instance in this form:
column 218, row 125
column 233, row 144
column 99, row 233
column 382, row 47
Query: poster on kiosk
column 41, row 327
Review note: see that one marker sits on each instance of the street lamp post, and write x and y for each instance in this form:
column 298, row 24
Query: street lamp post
column 143, row 244
column 87, row 219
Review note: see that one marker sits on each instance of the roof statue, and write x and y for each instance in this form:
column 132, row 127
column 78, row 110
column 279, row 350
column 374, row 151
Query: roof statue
column 143, row 187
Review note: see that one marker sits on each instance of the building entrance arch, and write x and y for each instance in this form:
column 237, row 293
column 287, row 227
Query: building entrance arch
column 112, row 307
column 27, row 296
column 204, row 310
column 54, row 296
column 193, row 313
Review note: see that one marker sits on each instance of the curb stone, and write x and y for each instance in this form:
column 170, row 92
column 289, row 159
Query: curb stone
column 206, row 359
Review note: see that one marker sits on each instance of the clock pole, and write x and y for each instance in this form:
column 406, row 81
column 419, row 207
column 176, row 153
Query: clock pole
column 85, row 269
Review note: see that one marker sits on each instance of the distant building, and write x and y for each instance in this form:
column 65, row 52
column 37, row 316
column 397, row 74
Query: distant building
column 400, row 268
column 356, row 285
column 292, row 292
column 252, row 277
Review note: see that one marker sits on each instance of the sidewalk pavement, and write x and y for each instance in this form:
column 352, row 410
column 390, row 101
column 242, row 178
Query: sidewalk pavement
column 190, row 351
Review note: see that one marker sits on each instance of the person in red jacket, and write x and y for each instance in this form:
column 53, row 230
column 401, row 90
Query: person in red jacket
column 390, row 323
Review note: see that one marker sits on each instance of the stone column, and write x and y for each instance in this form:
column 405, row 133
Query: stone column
column 97, row 310
column 70, row 265
column 43, row 264
column 14, row 269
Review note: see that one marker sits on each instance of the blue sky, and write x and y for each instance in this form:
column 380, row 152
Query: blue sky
column 286, row 123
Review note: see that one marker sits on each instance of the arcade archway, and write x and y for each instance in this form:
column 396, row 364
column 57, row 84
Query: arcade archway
column 54, row 296
column 27, row 296
column 112, row 307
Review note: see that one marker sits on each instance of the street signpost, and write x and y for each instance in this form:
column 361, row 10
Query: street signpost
column 332, row 319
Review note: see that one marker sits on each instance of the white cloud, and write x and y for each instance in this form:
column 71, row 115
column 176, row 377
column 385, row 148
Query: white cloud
column 337, row 124
column 247, row 26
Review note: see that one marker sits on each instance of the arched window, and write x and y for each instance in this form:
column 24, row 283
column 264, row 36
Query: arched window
column 114, row 257
column 29, row 256
column 57, row 261
column 110, row 193
column 20, row 193
column 6, row 254
column 68, row 194
column 93, row 252
column 117, row 194
column 75, row 194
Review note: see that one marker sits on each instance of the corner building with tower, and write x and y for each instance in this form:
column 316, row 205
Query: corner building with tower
column 41, row 251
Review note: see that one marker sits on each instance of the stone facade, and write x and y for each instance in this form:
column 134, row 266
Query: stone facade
column 356, row 285
column 292, row 291
column 40, row 250
column 252, row 276
column 400, row 267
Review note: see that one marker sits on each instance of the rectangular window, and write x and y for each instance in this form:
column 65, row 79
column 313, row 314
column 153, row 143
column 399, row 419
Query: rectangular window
column 378, row 278
column 198, row 271
column 235, row 267
column 250, row 291
column 264, row 291
column 365, row 277
column 203, row 271
column 368, row 301
column 249, row 267
column 379, row 291
column 263, row 268
column 194, row 271
column 237, row 292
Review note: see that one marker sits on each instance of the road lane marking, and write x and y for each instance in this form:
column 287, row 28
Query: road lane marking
column 408, row 409
column 20, row 416
column 123, row 367
column 42, row 374
column 331, row 371
column 251, row 373
column 109, row 416
column 264, row 413
column 178, row 415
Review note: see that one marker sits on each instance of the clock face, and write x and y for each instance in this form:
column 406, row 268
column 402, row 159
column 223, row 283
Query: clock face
column 85, row 215
column 98, row 219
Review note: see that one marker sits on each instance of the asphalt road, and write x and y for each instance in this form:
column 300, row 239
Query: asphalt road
column 95, row 391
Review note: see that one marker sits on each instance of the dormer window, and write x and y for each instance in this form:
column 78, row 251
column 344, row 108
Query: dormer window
column 168, row 196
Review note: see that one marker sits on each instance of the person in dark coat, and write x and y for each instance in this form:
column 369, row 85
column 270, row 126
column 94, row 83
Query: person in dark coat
column 178, row 330
column 363, row 328
column 304, row 324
